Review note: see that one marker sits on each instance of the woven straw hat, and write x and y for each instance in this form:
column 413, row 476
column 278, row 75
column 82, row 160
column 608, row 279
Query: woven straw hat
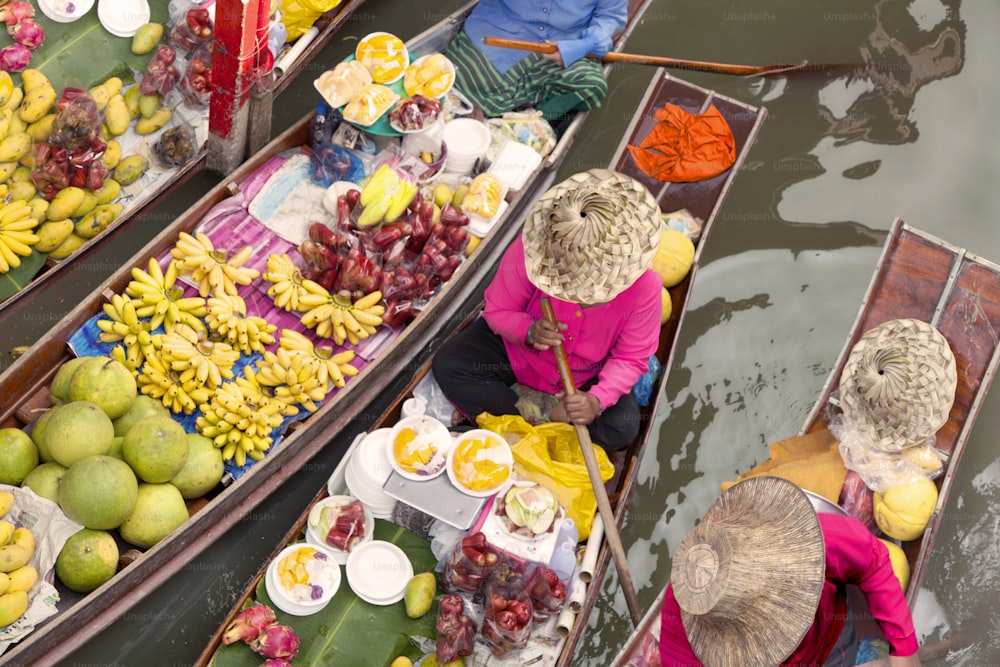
column 898, row 385
column 590, row 237
column 749, row 576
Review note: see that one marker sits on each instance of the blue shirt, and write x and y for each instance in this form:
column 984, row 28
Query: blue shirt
column 579, row 27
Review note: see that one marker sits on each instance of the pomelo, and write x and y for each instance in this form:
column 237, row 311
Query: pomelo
column 116, row 448
column 143, row 406
column 99, row 492
column 77, row 430
column 667, row 305
column 156, row 448
column 106, row 382
column 900, row 566
column 203, row 469
column 674, row 257
column 44, row 480
column 87, row 560
column 18, row 456
column 38, row 434
column 59, row 387
column 159, row 510
column 903, row 511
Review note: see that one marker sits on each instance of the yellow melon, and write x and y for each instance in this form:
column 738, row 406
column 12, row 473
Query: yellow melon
column 674, row 257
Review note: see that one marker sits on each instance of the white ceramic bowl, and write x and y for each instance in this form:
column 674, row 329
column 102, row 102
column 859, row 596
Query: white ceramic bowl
column 427, row 431
column 316, row 536
column 461, row 467
column 287, row 600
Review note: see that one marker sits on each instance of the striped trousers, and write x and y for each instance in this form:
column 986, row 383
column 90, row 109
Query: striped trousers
column 534, row 81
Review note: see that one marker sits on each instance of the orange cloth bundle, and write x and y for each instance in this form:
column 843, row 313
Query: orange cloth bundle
column 685, row 147
column 811, row 461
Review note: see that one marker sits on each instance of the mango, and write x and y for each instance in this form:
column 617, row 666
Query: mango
column 148, row 104
column 112, row 154
column 12, row 606
column 117, row 116
column 32, row 78
column 146, row 37
column 71, row 244
column 97, row 220
column 6, row 169
column 21, row 190
column 14, row 146
column 419, row 594
column 39, row 205
column 22, row 579
column 153, row 123
column 22, row 173
column 131, row 97
column 4, row 582
column 14, row 101
column 86, row 206
column 109, row 192
column 17, row 124
column 52, row 234
column 6, row 87
column 5, row 119
column 41, row 129
column 130, row 169
column 36, row 103
column 103, row 92
column 65, row 203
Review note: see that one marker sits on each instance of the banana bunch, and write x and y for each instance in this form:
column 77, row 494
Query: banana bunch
column 16, row 236
column 212, row 268
column 123, row 324
column 333, row 367
column 227, row 318
column 17, row 576
column 157, row 380
column 293, row 378
column 340, row 319
column 162, row 300
column 197, row 358
column 289, row 289
column 239, row 421
column 385, row 196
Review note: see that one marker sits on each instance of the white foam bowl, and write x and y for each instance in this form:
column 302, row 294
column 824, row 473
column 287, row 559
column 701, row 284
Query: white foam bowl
column 468, row 140
column 314, row 537
column 280, row 596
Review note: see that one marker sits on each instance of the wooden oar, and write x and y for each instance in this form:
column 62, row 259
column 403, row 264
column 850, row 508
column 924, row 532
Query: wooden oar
column 603, row 503
column 657, row 61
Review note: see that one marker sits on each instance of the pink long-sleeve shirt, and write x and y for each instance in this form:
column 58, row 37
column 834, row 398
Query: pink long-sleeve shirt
column 854, row 556
column 611, row 341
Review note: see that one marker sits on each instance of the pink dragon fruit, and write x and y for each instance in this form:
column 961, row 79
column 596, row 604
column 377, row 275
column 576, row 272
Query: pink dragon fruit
column 249, row 623
column 14, row 57
column 276, row 641
column 27, row 32
column 16, row 11
column 276, row 662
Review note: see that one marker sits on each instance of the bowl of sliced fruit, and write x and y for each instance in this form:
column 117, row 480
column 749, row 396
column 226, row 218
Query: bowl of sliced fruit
column 480, row 462
column 418, row 447
column 339, row 524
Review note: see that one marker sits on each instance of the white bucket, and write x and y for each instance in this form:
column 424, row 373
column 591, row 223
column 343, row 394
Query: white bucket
column 467, row 140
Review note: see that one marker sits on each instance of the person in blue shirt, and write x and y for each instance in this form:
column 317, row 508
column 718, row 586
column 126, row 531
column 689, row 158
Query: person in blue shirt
column 500, row 79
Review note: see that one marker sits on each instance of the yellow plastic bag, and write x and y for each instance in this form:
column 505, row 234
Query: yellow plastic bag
column 300, row 15
column 550, row 454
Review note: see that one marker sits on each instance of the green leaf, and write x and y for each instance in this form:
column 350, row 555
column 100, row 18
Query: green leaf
column 350, row 631
column 15, row 279
column 68, row 57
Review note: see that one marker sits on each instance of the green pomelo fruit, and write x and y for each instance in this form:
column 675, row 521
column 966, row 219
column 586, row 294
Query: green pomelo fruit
column 59, row 388
column 99, row 492
column 77, row 430
column 38, row 434
column 18, row 456
column 116, row 448
column 203, row 469
column 143, row 406
column 44, row 480
column 105, row 382
column 159, row 510
column 156, row 448
column 87, row 560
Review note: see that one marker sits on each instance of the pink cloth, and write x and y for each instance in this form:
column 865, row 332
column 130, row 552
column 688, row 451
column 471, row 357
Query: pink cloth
column 611, row 341
column 854, row 556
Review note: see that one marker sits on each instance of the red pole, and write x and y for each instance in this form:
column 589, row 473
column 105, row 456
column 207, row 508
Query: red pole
column 234, row 61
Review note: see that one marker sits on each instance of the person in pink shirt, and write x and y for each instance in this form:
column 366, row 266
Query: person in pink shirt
column 762, row 579
column 587, row 244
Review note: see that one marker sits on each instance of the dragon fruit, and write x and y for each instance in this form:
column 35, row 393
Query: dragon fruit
column 276, row 662
column 14, row 57
column 27, row 32
column 276, row 641
column 249, row 623
column 16, row 11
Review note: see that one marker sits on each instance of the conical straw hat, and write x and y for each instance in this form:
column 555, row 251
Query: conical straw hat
column 749, row 576
column 898, row 385
column 591, row 236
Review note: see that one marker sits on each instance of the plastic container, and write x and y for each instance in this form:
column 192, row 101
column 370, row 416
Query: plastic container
column 468, row 140
column 414, row 406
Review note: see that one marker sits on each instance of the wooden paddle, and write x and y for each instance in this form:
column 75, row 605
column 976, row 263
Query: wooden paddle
column 657, row 61
column 603, row 503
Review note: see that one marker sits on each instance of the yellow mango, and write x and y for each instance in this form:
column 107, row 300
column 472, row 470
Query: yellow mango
column 12, row 606
column 65, row 203
column 131, row 97
column 22, row 579
column 21, row 190
column 86, row 206
column 52, row 234
column 130, row 169
column 41, row 129
column 32, row 78
column 112, row 154
column 15, row 146
column 7, row 169
column 153, row 123
column 39, row 205
column 117, row 116
column 14, row 101
column 36, row 103
column 6, row 87
column 67, row 247
column 109, row 192
column 97, row 220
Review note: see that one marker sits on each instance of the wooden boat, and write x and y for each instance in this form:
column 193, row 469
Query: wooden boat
column 703, row 200
column 24, row 387
column 168, row 181
column 922, row 277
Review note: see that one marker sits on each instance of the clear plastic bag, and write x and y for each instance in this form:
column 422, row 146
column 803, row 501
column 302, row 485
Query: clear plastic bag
column 880, row 470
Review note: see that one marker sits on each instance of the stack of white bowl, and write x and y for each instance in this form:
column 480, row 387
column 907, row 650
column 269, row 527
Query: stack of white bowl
column 367, row 471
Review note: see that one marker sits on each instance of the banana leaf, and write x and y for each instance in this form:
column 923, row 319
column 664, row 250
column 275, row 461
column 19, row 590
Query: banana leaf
column 349, row 631
column 83, row 54
column 15, row 279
